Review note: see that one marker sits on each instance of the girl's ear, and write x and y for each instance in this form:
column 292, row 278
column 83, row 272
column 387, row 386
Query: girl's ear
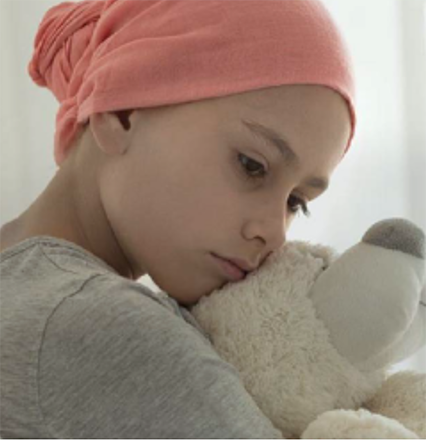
column 112, row 131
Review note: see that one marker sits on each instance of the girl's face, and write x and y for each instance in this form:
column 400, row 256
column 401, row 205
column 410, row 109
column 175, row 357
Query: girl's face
column 200, row 178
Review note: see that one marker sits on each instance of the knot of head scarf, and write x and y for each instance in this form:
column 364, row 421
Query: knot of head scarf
column 109, row 55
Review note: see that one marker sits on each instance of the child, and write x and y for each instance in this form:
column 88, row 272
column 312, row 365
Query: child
column 189, row 132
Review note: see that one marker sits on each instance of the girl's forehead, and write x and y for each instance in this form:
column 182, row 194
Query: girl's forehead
column 284, row 106
column 292, row 114
column 276, row 102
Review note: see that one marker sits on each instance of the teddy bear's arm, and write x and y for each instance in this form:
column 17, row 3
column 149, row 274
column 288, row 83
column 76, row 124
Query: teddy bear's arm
column 403, row 397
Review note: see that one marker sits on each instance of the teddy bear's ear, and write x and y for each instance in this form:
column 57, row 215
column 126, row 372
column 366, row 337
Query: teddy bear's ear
column 369, row 298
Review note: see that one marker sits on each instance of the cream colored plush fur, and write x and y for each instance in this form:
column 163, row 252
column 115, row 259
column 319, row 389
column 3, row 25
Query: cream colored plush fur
column 268, row 328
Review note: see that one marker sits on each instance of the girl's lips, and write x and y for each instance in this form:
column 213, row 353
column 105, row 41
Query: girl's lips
column 231, row 271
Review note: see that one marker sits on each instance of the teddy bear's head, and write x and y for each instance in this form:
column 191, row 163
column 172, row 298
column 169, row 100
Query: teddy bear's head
column 295, row 329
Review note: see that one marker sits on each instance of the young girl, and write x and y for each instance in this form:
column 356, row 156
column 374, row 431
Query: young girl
column 189, row 132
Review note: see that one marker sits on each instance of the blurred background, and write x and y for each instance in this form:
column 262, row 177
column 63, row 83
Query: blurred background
column 382, row 176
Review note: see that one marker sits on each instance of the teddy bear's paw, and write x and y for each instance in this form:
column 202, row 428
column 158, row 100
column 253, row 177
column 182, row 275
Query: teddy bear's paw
column 402, row 397
column 355, row 424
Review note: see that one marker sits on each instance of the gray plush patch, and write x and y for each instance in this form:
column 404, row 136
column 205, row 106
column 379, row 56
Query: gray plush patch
column 397, row 234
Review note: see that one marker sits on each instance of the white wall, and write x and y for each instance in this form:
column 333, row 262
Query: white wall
column 27, row 111
column 413, row 15
column 382, row 176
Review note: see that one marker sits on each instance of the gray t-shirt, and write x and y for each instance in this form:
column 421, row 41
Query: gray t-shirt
column 86, row 353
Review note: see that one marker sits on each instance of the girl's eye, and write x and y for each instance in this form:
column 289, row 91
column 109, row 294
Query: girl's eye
column 300, row 205
column 251, row 172
column 251, row 168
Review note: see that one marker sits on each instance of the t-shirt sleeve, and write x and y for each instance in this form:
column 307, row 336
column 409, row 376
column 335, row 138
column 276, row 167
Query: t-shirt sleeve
column 118, row 364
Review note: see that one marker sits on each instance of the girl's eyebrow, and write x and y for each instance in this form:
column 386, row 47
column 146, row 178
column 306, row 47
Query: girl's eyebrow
column 272, row 138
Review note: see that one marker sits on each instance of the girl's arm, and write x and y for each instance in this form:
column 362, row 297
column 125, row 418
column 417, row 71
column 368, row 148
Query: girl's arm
column 118, row 364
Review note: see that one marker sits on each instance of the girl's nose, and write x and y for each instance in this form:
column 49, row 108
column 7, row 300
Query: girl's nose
column 271, row 231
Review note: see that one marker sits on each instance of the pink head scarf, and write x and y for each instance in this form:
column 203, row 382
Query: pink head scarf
column 101, row 56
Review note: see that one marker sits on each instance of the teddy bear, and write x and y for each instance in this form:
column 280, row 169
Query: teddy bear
column 314, row 334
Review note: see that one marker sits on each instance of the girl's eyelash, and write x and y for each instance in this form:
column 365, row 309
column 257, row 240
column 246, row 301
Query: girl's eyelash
column 300, row 203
